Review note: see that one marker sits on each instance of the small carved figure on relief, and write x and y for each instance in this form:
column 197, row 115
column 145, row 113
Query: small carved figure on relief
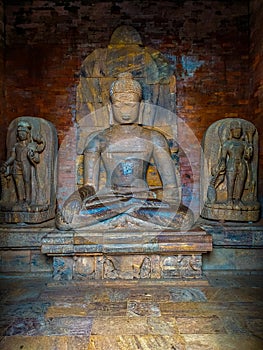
column 125, row 150
column 22, row 173
column 145, row 268
column 22, row 164
column 231, row 192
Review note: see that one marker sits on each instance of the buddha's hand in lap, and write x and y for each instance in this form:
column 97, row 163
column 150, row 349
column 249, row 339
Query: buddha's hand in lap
column 86, row 191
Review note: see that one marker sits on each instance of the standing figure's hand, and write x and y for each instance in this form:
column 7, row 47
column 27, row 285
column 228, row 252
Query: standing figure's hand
column 3, row 167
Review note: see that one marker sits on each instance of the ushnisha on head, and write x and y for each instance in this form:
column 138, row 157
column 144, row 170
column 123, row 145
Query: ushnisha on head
column 125, row 84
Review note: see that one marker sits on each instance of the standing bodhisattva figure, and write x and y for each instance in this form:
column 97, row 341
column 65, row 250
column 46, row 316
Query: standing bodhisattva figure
column 22, row 163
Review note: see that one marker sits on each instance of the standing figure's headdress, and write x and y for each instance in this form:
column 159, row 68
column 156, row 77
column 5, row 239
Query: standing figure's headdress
column 24, row 126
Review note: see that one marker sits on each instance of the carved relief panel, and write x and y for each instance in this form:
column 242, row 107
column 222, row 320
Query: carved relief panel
column 229, row 164
column 28, row 176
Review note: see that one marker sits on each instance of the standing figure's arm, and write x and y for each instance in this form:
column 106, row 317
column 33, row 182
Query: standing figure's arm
column 248, row 153
column 33, row 156
column 9, row 161
column 221, row 167
column 35, row 148
column 41, row 143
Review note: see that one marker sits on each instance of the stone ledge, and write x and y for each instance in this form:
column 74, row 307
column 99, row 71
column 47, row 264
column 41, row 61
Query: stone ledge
column 77, row 243
column 23, row 236
column 236, row 235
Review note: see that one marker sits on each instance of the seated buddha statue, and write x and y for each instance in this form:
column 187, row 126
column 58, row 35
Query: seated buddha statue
column 125, row 150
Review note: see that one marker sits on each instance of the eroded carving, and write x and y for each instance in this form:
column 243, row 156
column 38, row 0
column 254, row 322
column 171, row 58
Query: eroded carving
column 125, row 52
column 181, row 266
column 110, row 271
column 28, row 176
column 145, row 268
column 125, row 150
column 129, row 267
column 232, row 187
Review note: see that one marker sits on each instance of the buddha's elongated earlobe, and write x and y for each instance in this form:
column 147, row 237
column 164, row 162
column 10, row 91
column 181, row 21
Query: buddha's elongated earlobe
column 110, row 114
column 141, row 110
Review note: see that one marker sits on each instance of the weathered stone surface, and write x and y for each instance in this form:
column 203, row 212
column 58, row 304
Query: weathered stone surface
column 43, row 343
column 203, row 325
column 221, row 341
column 230, row 171
column 29, row 175
column 40, row 262
column 118, row 255
column 147, row 342
column 40, row 313
column 115, row 255
column 20, row 249
column 104, row 309
column 212, row 70
column 124, row 50
column 233, row 259
column 62, row 268
column 66, row 310
column 236, row 245
column 143, row 309
column 114, row 191
column 12, row 237
column 15, row 261
column 189, row 294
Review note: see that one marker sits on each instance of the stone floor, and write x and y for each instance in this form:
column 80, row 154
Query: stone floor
column 220, row 312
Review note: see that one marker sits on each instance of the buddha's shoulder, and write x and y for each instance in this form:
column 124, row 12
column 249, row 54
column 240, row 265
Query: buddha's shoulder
column 153, row 133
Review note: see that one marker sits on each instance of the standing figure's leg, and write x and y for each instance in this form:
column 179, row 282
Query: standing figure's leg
column 27, row 182
column 20, row 189
column 230, row 179
column 240, row 182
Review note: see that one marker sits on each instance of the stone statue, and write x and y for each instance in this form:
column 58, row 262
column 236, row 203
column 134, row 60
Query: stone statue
column 24, row 159
column 125, row 52
column 28, row 174
column 231, row 191
column 156, row 74
column 125, row 150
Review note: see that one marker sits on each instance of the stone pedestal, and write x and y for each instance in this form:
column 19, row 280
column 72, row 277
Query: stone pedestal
column 236, row 247
column 20, row 250
column 126, row 255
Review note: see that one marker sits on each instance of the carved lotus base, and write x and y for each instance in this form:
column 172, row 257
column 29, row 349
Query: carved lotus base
column 227, row 212
column 127, row 255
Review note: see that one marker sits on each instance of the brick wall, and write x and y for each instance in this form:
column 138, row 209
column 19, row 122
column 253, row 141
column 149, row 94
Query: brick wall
column 207, row 41
column 2, row 130
column 256, row 76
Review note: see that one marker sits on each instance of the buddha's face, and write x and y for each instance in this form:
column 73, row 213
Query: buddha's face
column 125, row 107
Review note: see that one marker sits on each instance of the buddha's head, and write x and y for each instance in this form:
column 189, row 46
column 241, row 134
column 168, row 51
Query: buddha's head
column 126, row 94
